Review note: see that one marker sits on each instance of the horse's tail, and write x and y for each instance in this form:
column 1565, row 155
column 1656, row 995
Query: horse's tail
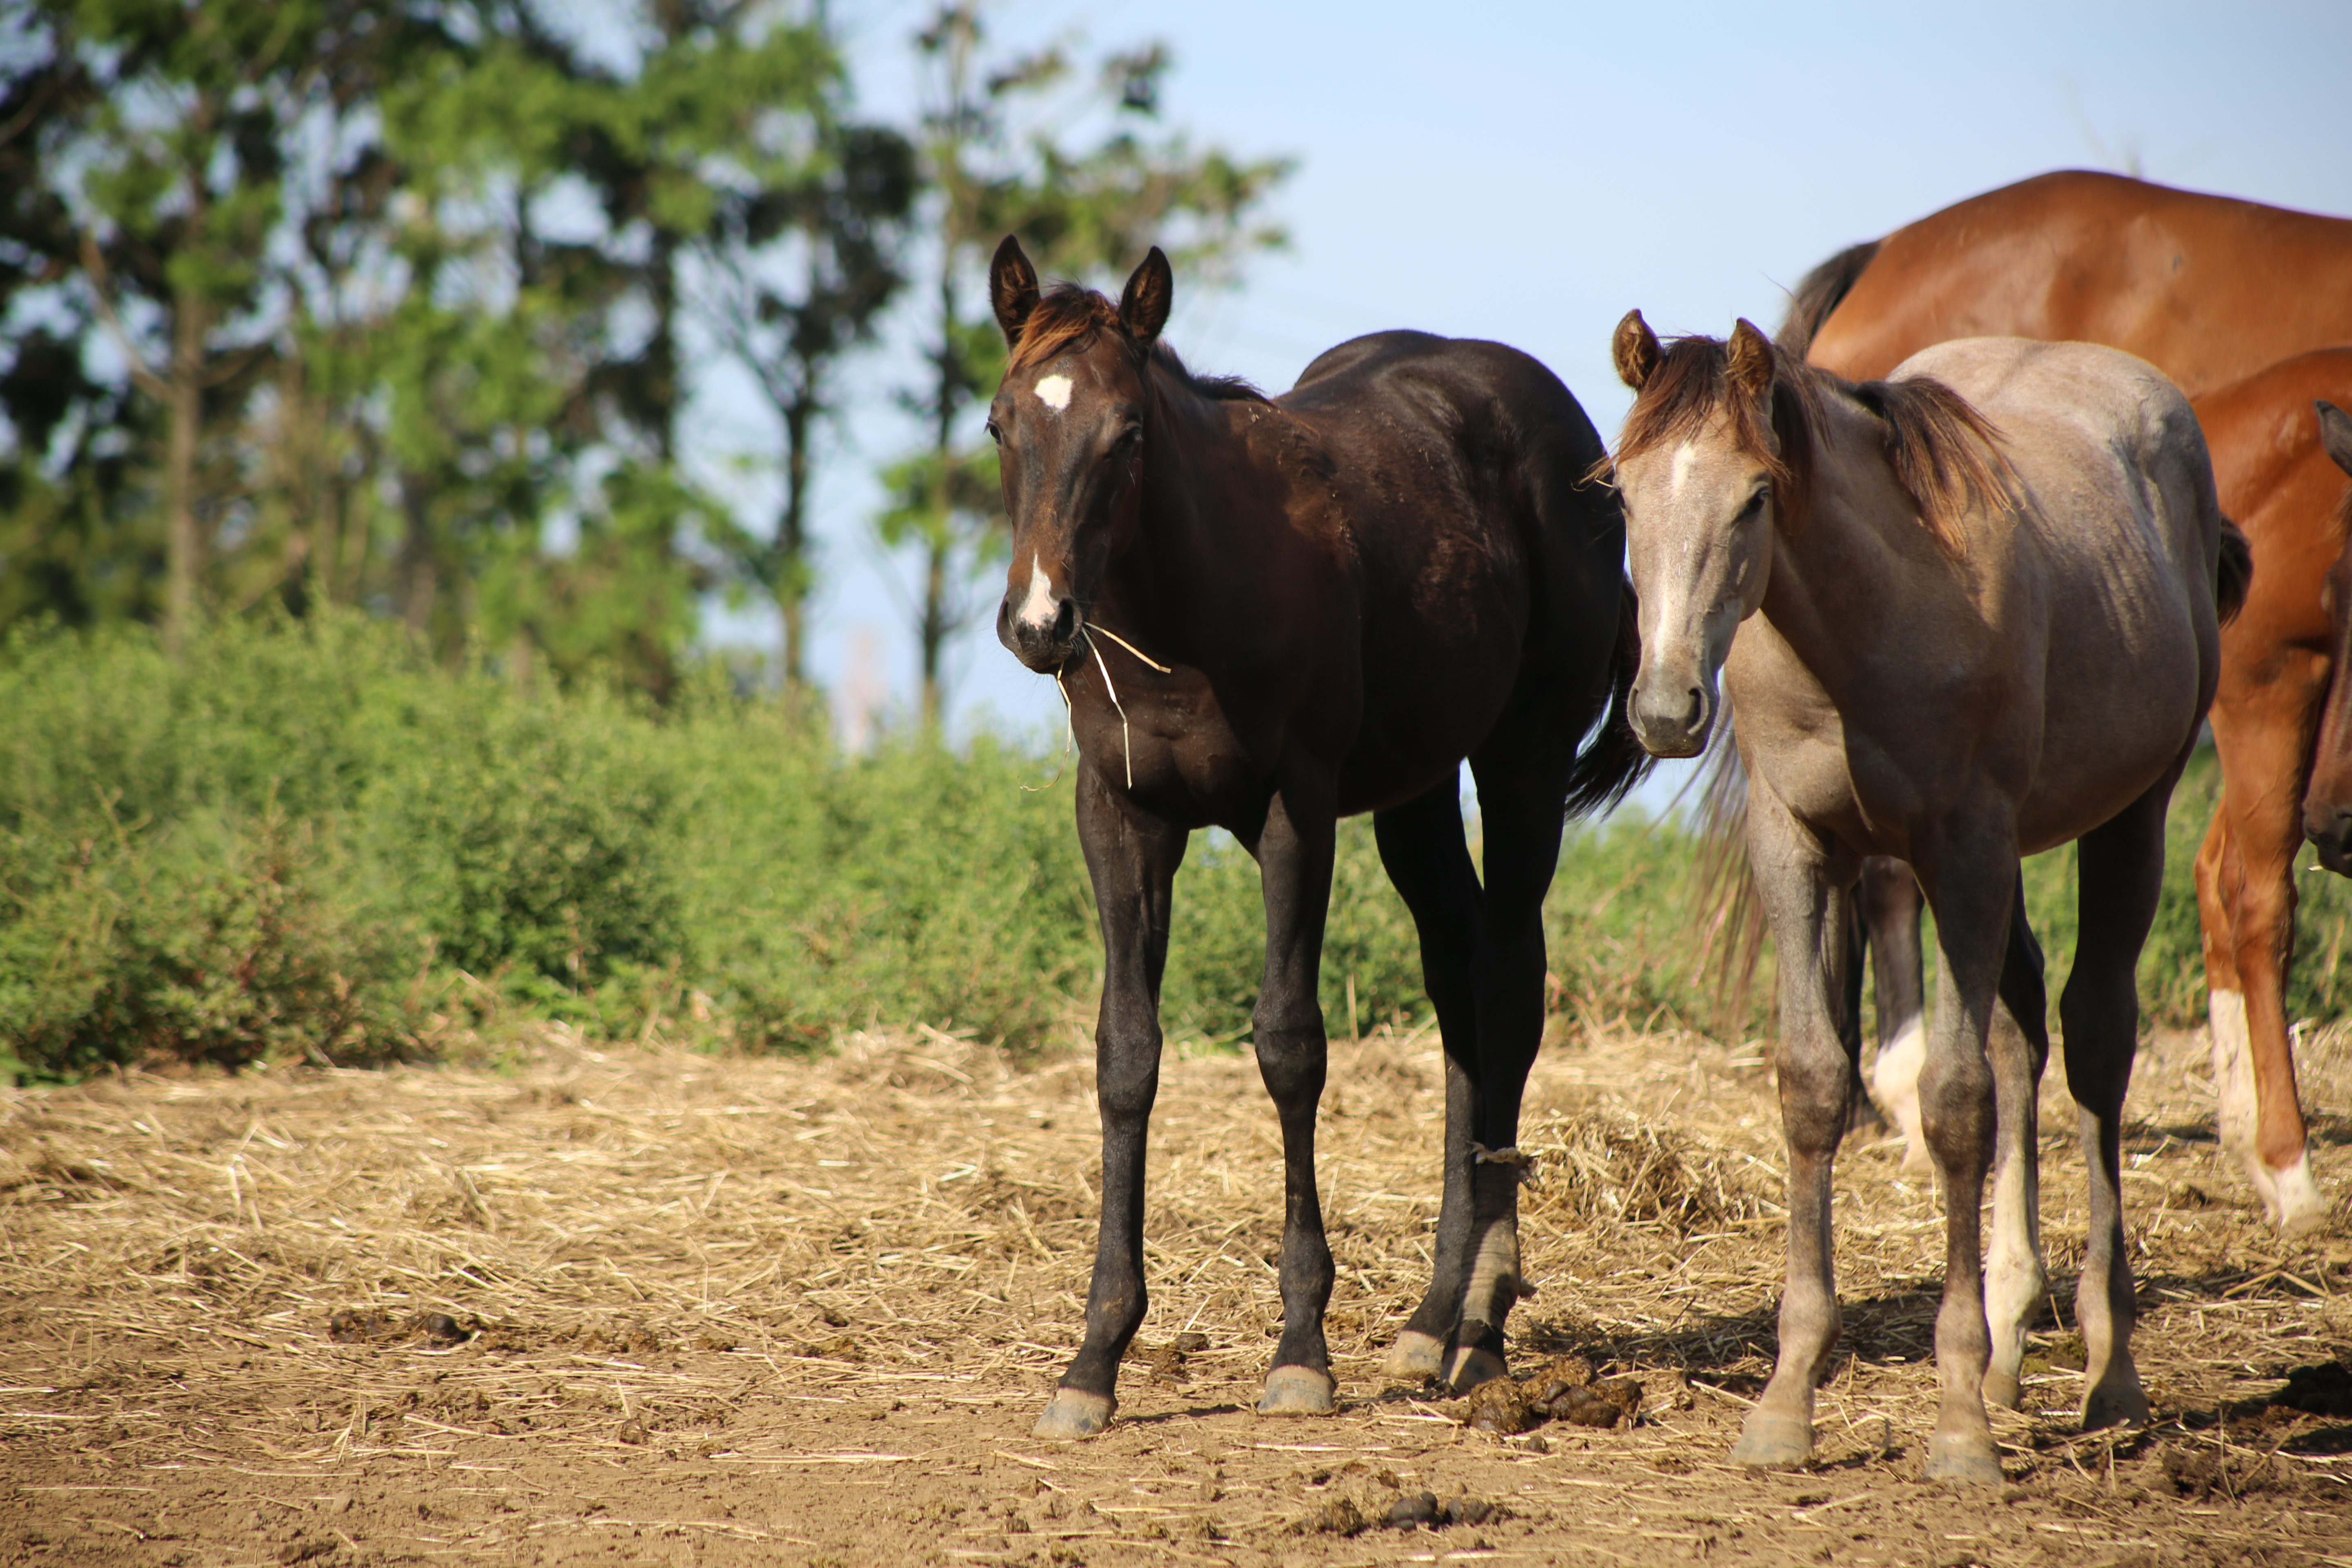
column 1727, row 911
column 1614, row 760
column 2236, row 572
column 1823, row 289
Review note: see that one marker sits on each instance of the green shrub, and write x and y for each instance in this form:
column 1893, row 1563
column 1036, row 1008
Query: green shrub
column 197, row 943
column 305, row 839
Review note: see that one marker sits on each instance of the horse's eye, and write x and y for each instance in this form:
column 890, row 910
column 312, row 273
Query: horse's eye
column 1127, row 438
column 995, row 433
column 1755, row 506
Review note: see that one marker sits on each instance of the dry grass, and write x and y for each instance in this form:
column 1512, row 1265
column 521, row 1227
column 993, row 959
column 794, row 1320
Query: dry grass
column 805, row 1311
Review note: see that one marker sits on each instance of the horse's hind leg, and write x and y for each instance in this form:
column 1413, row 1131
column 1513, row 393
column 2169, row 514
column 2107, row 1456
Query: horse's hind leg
column 1889, row 896
column 1971, row 879
column 2245, row 884
column 1521, row 790
column 2019, row 1046
column 1808, row 910
column 1428, row 859
column 2121, row 876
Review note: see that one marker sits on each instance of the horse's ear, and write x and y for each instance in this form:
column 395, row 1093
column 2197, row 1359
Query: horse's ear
column 1635, row 350
column 1751, row 359
column 1012, row 289
column 2335, row 433
column 1143, row 308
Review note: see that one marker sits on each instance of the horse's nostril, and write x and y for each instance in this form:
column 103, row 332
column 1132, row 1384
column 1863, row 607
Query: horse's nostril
column 1697, row 708
column 1065, row 621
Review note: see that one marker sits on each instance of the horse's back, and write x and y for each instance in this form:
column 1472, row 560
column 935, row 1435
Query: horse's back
column 2115, row 530
column 2208, row 287
column 1459, row 467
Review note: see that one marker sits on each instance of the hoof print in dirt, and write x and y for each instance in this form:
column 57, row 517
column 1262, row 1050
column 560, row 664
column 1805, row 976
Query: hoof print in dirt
column 1416, row 1510
column 1341, row 1516
column 1167, row 1362
column 2219, row 1472
column 1566, row 1391
column 374, row 1326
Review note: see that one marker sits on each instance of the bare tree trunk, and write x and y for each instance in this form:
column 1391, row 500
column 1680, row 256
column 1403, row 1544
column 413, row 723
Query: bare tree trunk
column 419, row 570
column 185, row 544
column 791, row 583
column 935, row 631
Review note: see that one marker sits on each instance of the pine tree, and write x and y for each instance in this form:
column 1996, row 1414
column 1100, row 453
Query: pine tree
column 995, row 166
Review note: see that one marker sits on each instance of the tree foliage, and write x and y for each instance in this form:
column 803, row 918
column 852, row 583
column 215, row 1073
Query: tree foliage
column 404, row 304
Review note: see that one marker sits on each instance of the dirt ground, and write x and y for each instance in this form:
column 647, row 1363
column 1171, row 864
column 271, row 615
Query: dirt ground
column 630, row 1305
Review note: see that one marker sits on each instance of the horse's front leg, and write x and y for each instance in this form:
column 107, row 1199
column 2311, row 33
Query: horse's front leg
column 1808, row 908
column 1295, row 864
column 1132, row 858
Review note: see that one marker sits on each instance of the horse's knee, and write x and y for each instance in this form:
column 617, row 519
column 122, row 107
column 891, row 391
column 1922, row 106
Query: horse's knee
column 1292, row 1059
column 1956, row 1112
column 1125, row 1088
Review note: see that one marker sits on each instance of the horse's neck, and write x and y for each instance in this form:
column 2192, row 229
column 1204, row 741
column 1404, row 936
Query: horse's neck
column 1195, row 492
column 1847, row 581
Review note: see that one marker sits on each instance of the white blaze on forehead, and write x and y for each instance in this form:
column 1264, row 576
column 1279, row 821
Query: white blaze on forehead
column 1684, row 456
column 1038, row 609
column 1053, row 391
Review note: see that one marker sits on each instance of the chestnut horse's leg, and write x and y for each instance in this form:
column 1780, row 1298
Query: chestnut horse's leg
column 1132, row 858
column 1972, row 885
column 2019, row 1046
column 1808, row 908
column 2246, row 898
column 2122, row 875
column 1293, row 854
column 1428, row 859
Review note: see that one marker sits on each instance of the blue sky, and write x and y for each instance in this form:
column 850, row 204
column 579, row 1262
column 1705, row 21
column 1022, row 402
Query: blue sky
column 1528, row 173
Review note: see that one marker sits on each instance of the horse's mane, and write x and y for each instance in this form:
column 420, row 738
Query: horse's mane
column 1823, row 289
column 1945, row 454
column 1072, row 316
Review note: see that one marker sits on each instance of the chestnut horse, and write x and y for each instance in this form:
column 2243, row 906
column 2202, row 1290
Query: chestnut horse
column 2209, row 290
column 1267, row 615
column 2276, row 457
column 1963, row 615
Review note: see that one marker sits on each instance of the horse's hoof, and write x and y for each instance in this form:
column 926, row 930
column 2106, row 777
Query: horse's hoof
column 2301, row 1209
column 1962, row 1459
column 2002, row 1388
column 1414, row 1357
column 1071, row 1415
column 1298, row 1391
column 1473, row 1366
column 2114, row 1402
column 1773, row 1441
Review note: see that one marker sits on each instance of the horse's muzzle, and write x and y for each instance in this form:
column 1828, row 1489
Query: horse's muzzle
column 1047, row 642
column 1671, row 723
column 2329, row 828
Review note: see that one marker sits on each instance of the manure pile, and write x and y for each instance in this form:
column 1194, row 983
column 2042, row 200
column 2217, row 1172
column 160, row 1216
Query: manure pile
column 638, row 1304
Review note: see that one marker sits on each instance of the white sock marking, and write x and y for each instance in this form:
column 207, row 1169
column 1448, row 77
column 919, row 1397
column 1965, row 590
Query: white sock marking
column 2013, row 1272
column 2238, row 1110
column 2300, row 1206
column 1053, row 391
column 1895, row 1080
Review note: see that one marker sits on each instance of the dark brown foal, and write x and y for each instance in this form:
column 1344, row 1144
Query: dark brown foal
column 1267, row 615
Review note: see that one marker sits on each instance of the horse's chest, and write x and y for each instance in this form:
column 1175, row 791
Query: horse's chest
column 1174, row 749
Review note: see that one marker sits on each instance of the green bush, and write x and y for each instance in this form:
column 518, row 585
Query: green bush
column 197, row 943
column 305, row 839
